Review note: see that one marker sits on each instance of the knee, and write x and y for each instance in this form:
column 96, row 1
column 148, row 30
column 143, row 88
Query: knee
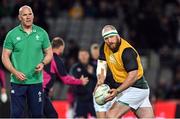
column 114, row 114
column 149, row 115
column 110, row 114
column 145, row 113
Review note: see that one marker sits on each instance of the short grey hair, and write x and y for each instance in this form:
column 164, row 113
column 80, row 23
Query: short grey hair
column 25, row 6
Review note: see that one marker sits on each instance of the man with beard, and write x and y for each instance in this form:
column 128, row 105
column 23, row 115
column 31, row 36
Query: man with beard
column 125, row 64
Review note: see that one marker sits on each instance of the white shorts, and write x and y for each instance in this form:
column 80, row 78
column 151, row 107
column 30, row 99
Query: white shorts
column 133, row 97
column 103, row 108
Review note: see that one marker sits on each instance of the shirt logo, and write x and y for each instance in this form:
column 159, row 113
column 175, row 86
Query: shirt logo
column 18, row 38
column 40, row 97
column 37, row 37
column 112, row 59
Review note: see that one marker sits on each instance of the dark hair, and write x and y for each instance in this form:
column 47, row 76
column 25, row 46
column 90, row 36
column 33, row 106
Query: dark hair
column 94, row 47
column 57, row 42
column 83, row 50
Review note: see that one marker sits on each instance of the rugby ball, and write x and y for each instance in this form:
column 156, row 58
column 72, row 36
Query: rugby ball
column 101, row 93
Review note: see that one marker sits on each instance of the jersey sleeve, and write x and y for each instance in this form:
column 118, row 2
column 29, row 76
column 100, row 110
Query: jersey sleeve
column 129, row 58
column 60, row 66
column 8, row 42
column 63, row 75
column 102, row 55
column 46, row 41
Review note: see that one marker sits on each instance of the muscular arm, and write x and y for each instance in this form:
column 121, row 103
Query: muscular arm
column 129, row 58
column 48, row 55
column 47, row 58
column 130, row 80
column 7, row 63
column 131, row 66
column 101, row 69
column 6, row 60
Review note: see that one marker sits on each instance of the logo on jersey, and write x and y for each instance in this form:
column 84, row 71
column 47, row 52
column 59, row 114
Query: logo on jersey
column 37, row 37
column 18, row 38
column 40, row 97
column 112, row 59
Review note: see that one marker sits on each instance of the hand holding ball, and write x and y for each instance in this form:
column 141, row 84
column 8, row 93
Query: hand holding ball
column 101, row 93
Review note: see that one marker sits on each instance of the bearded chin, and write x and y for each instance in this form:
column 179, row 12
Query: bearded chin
column 116, row 48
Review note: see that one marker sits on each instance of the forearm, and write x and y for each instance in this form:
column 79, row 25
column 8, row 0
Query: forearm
column 70, row 80
column 7, row 63
column 130, row 80
column 48, row 56
column 101, row 64
column 101, row 71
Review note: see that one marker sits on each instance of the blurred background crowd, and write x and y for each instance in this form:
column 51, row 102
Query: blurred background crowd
column 151, row 26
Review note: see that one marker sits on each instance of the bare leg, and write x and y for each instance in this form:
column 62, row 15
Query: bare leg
column 117, row 110
column 101, row 115
column 145, row 112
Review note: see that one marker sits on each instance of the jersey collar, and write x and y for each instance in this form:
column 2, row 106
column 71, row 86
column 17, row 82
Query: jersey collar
column 33, row 28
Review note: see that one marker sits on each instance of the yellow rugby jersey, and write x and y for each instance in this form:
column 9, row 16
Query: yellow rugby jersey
column 115, row 62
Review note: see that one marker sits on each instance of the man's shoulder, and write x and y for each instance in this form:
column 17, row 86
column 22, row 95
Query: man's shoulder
column 13, row 30
column 38, row 28
column 127, row 43
column 57, row 58
column 101, row 44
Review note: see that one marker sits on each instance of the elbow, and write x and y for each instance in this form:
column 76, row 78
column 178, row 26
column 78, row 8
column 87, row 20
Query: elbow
column 64, row 79
column 51, row 55
column 3, row 58
column 134, row 75
column 48, row 54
